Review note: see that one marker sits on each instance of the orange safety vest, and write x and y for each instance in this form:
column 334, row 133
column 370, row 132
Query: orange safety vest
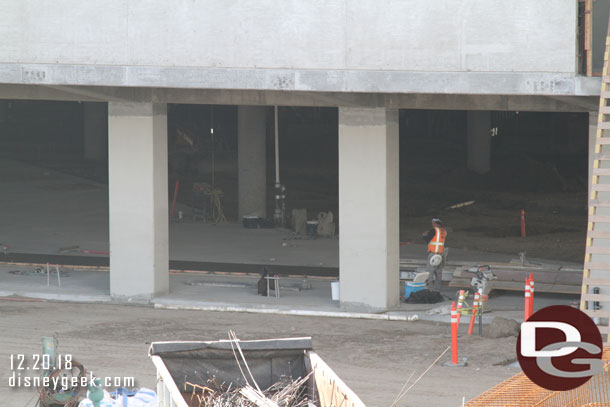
column 437, row 244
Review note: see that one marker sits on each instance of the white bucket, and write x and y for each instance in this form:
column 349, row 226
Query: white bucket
column 334, row 288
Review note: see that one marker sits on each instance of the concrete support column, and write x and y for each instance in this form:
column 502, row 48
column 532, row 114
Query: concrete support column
column 251, row 161
column 137, row 172
column 95, row 131
column 479, row 141
column 368, row 208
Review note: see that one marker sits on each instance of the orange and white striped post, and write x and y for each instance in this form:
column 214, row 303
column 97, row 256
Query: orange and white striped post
column 482, row 300
column 531, row 278
column 460, row 304
column 473, row 315
column 528, row 297
column 454, row 334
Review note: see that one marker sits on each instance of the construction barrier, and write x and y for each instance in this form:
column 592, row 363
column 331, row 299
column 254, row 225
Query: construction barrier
column 460, row 304
column 528, row 295
column 520, row 391
column 531, row 294
column 475, row 312
column 456, row 312
column 454, row 334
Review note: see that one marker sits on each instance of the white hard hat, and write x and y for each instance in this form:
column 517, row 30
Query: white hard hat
column 436, row 260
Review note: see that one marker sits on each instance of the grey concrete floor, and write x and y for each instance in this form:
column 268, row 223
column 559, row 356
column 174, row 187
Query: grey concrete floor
column 239, row 292
column 42, row 211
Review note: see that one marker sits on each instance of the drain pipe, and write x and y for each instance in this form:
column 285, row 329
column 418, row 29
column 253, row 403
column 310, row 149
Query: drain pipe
column 277, row 148
column 280, row 191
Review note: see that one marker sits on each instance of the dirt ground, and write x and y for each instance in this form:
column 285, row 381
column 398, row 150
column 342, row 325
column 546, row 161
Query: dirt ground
column 373, row 357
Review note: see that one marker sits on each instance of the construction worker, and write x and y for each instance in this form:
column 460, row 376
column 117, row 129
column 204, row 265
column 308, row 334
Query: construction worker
column 435, row 238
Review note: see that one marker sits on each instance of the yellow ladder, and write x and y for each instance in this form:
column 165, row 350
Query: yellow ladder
column 596, row 272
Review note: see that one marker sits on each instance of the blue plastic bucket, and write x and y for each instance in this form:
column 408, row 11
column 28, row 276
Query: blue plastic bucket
column 411, row 288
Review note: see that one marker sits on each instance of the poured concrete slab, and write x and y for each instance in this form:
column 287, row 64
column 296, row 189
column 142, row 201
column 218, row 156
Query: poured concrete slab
column 238, row 293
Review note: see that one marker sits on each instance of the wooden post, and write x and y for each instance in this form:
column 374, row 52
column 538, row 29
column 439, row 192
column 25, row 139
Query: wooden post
column 589, row 36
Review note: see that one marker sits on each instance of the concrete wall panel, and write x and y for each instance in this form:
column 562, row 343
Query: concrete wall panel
column 404, row 35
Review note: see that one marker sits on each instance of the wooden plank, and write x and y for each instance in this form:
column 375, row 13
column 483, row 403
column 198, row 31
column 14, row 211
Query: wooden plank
column 596, row 203
column 541, row 276
column 594, row 265
column 602, row 188
column 602, row 140
column 605, row 95
column 595, row 297
column 601, row 171
column 167, row 379
column 605, row 109
column 255, row 397
column 588, row 43
column 597, row 250
column 599, row 234
column 597, row 313
column 603, row 125
column 332, row 391
column 518, row 286
column 601, row 157
column 596, row 281
column 589, row 62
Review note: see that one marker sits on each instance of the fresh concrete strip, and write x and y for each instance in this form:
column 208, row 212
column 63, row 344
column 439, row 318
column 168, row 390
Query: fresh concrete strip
column 278, row 311
column 58, row 297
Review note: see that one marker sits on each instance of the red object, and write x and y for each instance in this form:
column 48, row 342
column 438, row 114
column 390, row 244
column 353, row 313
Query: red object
column 405, row 243
column 473, row 316
column 176, row 188
column 531, row 294
column 454, row 334
column 522, row 223
column 528, row 297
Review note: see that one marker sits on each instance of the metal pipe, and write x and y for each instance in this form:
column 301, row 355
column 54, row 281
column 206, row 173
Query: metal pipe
column 213, row 146
column 277, row 147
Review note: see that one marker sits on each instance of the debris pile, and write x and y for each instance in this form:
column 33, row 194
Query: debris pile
column 287, row 392
column 425, row 297
column 502, row 328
